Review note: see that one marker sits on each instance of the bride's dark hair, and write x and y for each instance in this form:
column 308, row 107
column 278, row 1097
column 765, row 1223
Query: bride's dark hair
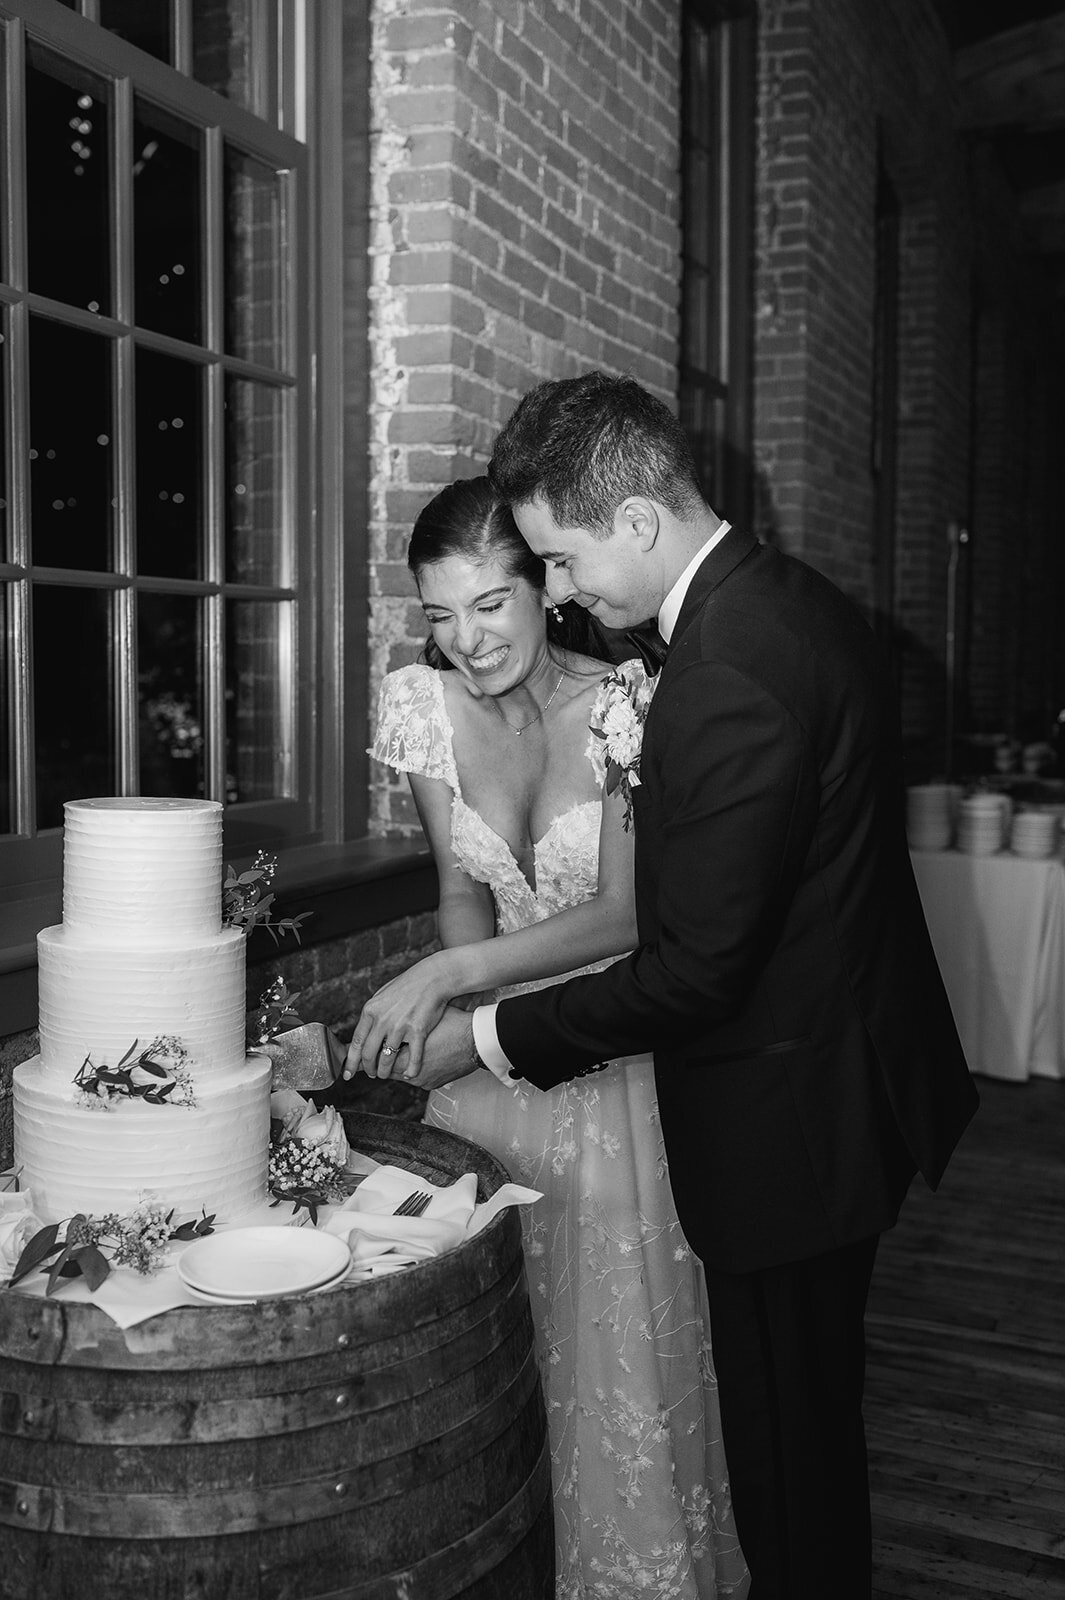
column 469, row 519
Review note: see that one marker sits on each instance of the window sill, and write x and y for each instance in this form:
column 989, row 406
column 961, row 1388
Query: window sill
column 343, row 889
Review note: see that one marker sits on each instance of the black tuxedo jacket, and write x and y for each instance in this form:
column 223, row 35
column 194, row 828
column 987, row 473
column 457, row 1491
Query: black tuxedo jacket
column 806, row 1057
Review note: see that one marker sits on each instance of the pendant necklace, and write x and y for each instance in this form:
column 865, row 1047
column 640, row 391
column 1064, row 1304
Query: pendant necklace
column 517, row 732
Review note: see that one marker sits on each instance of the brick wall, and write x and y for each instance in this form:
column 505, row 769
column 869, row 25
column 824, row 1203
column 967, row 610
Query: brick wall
column 841, row 80
column 525, row 226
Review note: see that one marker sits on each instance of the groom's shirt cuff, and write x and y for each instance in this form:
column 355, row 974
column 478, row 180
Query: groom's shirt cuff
column 486, row 1043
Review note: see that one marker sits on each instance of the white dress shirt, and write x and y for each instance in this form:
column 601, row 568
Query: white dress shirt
column 485, row 1037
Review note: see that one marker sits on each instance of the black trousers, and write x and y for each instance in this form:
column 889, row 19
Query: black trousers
column 789, row 1352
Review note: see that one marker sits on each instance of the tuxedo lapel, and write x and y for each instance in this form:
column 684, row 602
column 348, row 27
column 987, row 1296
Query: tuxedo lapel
column 734, row 548
column 720, row 563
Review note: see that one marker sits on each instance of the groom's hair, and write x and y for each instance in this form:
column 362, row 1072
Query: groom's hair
column 582, row 444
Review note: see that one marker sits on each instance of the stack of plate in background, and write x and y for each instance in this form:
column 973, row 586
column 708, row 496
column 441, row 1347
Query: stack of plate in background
column 983, row 823
column 930, row 810
column 1036, row 834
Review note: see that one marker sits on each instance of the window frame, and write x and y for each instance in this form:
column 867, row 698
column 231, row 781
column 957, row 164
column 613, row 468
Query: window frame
column 725, row 374
column 318, row 113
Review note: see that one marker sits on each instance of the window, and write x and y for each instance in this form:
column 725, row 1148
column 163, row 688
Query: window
column 160, row 502
column 717, row 137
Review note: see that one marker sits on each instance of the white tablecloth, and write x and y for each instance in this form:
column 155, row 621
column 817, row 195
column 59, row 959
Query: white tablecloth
column 998, row 927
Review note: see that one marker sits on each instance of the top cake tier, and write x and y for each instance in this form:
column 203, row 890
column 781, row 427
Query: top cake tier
column 140, row 867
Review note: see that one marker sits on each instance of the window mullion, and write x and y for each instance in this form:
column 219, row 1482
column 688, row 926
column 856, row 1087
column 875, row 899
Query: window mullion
column 214, row 476
column 23, row 798
column 124, row 603
column 181, row 35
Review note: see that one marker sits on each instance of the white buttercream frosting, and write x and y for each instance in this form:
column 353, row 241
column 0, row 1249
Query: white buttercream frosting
column 141, row 955
column 208, row 1157
column 98, row 998
column 142, row 868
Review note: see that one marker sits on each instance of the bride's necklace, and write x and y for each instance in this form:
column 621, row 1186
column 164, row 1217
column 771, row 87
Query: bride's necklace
column 517, row 732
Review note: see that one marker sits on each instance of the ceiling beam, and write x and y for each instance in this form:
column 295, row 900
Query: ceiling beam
column 1016, row 78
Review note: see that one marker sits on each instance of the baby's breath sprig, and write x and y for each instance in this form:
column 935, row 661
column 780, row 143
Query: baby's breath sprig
column 276, row 1011
column 303, row 1174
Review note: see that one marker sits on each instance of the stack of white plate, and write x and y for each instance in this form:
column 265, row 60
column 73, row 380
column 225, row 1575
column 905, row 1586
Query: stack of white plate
column 1035, row 833
column 930, row 815
column 983, row 820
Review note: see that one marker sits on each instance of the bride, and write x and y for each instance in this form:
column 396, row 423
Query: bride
column 535, row 865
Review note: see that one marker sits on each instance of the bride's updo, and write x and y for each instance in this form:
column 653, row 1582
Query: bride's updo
column 469, row 519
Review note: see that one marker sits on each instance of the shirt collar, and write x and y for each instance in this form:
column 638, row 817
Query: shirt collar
column 670, row 607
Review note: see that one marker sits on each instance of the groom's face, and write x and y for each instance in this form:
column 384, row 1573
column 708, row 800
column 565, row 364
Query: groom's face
column 605, row 574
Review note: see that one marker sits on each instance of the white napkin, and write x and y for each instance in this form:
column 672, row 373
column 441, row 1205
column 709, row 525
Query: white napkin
column 381, row 1242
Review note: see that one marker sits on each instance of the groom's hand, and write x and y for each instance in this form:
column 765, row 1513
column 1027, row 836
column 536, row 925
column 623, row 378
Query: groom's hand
column 447, row 1053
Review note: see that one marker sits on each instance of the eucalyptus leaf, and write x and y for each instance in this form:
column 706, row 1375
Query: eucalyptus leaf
column 38, row 1249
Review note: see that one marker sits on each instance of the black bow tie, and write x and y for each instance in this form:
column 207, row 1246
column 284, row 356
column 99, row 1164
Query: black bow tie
column 650, row 645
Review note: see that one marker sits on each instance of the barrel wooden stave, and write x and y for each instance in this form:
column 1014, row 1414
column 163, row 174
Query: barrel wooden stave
column 372, row 1437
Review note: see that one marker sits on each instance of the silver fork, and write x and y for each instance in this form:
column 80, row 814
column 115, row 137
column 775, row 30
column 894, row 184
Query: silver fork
column 413, row 1205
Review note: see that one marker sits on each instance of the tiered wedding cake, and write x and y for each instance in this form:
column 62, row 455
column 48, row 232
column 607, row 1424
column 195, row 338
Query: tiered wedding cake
column 141, row 968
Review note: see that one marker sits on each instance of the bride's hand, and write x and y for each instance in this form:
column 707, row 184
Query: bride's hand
column 402, row 1013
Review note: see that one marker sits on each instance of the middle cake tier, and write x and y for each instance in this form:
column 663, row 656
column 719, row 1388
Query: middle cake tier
column 98, row 1002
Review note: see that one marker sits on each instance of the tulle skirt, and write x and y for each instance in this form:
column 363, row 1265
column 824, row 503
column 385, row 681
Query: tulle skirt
column 619, row 1302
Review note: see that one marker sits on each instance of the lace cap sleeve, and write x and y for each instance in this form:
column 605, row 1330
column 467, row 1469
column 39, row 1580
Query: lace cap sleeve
column 617, row 718
column 413, row 729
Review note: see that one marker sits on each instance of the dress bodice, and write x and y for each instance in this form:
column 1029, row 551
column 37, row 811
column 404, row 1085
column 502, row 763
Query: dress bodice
column 414, row 734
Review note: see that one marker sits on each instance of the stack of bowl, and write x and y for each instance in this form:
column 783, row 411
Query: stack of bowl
column 983, row 823
column 930, row 811
column 1035, row 834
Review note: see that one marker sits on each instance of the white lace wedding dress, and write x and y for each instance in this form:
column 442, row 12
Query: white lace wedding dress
column 638, row 1469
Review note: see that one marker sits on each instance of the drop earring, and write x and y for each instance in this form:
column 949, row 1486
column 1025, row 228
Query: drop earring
column 556, row 613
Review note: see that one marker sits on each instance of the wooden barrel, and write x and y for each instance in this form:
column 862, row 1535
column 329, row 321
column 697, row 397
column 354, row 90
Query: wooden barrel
column 383, row 1441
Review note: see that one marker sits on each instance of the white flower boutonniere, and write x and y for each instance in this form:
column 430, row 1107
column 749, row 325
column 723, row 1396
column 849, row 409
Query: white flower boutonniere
column 619, row 712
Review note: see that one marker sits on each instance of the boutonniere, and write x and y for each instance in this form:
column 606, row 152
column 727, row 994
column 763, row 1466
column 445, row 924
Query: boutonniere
column 619, row 712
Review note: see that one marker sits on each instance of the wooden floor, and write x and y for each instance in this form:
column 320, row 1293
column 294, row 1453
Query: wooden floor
column 965, row 1408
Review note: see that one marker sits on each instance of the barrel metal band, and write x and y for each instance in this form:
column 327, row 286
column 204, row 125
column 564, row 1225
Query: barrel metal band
column 36, row 1415
column 175, row 1516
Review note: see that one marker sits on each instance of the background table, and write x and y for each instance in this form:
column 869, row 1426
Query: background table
column 998, row 927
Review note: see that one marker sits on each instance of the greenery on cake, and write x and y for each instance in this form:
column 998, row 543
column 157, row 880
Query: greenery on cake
column 88, row 1247
column 247, row 900
column 275, row 1014
column 158, row 1076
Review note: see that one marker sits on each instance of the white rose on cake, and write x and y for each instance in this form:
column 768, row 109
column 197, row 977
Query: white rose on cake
column 18, row 1224
column 325, row 1131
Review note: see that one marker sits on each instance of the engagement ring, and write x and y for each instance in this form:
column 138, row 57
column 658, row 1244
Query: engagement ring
column 387, row 1050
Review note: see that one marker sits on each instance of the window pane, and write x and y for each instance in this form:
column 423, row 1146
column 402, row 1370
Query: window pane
column 254, row 482
column 169, row 466
column 68, row 236
column 259, row 757
column 70, row 447
column 170, row 695
column 145, row 23
column 72, row 687
column 222, row 54
column 254, row 260
column 167, row 229
column 7, row 753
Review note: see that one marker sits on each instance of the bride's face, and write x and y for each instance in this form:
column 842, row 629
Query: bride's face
column 492, row 626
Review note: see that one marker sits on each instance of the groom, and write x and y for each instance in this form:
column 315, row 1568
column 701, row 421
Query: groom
column 806, row 1059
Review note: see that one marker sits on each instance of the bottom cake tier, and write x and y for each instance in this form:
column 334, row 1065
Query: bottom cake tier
column 100, row 1158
